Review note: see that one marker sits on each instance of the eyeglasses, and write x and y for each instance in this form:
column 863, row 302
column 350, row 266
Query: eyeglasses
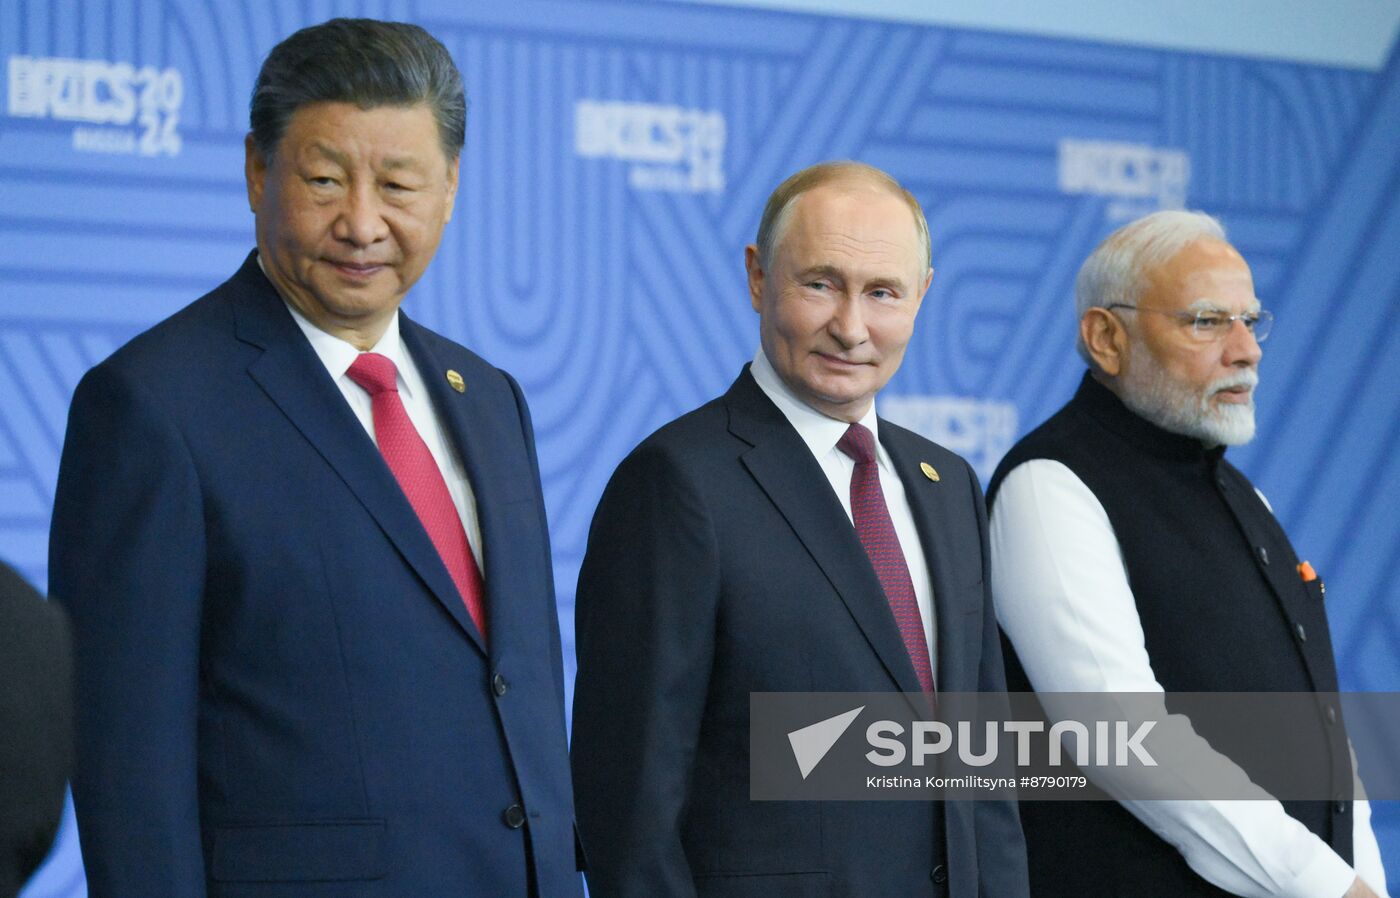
column 1209, row 326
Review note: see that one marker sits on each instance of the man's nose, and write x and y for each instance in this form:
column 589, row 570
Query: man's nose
column 1241, row 348
column 361, row 221
column 847, row 324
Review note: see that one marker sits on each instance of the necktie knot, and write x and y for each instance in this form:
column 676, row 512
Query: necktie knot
column 374, row 372
column 858, row 443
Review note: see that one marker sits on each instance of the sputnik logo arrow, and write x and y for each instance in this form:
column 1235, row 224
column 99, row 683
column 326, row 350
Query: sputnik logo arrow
column 811, row 743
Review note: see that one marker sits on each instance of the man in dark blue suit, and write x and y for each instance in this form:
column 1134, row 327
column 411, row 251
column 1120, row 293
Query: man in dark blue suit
column 783, row 538
column 303, row 542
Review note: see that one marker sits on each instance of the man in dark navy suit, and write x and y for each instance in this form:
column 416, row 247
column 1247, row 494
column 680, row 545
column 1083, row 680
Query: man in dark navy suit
column 783, row 538
column 303, row 542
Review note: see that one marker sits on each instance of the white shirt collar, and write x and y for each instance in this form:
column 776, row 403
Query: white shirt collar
column 338, row 355
column 820, row 432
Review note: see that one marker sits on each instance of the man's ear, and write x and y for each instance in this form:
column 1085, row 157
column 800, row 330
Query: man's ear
column 918, row 297
column 1106, row 339
column 254, row 172
column 453, row 170
column 756, row 274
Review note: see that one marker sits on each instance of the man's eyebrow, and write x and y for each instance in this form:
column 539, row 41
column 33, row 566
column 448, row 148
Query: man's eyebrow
column 332, row 154
column 819, row 271
column 1213, row 305
column 391, row 163
column 896, row 283
column 831, row 271
column 394, row 163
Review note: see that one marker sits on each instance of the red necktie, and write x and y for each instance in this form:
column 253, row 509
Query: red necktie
column 876, row 533
column 418, row 475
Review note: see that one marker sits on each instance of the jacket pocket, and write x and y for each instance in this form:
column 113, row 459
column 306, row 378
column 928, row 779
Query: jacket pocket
column 330, row 851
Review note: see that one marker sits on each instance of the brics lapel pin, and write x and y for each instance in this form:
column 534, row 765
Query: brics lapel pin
column 456, row 382
column 928, row 470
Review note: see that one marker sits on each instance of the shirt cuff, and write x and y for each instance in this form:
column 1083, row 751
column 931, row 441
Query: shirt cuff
column 1324, row 875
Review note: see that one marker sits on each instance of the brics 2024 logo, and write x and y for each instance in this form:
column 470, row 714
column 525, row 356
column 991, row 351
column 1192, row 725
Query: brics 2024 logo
column 671, row 149
column 122, row 109
column 1138, row 178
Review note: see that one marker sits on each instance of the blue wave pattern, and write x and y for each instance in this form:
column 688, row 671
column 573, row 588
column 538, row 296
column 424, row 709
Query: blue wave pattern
column 619, row 308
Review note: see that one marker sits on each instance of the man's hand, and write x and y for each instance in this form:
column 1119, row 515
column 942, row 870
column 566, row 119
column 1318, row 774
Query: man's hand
column 1359, row 889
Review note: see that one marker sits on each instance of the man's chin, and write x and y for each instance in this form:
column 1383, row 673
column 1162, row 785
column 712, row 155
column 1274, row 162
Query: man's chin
column 1229, row 424
column 836, row 389
column 846, row 405
column 1175, row 409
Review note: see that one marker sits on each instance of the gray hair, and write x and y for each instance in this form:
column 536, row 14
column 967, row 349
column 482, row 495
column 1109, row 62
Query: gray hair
column 361, row 61
column 1116, row 271
column 775, row 212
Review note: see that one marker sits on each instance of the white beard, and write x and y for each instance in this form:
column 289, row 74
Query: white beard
column 1150, row 391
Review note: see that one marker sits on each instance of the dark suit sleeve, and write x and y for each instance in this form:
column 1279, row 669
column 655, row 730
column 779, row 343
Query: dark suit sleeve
column 1001, row 846
column 127, row 559
column 646, row 608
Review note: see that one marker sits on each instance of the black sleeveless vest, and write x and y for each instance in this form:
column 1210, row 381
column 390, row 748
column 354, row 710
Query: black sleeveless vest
column 1223, row 609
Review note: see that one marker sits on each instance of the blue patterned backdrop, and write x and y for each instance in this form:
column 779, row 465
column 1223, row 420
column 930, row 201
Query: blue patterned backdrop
column 618, row 155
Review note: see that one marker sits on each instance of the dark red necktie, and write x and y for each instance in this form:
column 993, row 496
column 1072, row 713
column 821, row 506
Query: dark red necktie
column 876, row 533
column 418, row 475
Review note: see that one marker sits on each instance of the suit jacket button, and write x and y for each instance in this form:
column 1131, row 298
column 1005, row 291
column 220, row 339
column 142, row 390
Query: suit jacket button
column 1331, row 714
column 939, row 875
column 1301, row 632
column 514, row 816
column 499, row 684
column 1263, row 554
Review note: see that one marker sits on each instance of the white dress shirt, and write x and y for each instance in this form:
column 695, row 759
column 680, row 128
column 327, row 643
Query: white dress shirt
column 338, row 355
column 821, row 434
column 1063, row 598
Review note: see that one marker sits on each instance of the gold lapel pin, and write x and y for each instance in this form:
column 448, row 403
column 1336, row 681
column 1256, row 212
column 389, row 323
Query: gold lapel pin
column 455, row 380
column 928, row 470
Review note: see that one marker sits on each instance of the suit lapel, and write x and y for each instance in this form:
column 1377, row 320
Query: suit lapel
column 935, row 518
column 486, row 453
column 784, row 468
column 292, row 376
